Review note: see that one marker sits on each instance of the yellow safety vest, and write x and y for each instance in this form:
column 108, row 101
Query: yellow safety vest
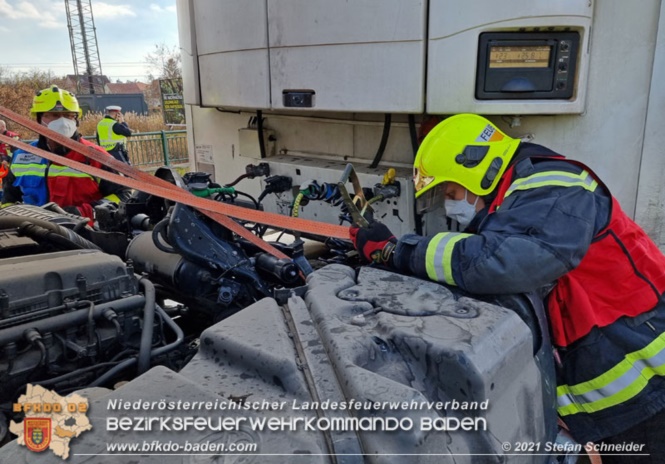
column 107, row 138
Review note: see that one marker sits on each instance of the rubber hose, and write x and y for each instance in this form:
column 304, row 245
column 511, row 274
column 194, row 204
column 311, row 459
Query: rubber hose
column 14, row 222
column 180, row 336
column 156, row 232
column 148, row 322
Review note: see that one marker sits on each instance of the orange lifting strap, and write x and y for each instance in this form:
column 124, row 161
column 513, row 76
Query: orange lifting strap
column 144, row 182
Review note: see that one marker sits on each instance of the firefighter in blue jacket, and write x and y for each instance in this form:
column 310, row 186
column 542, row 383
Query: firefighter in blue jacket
column 37, row 181
column 530, row 219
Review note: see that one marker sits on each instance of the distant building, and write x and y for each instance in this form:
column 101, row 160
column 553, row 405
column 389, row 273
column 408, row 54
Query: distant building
column 130, row 102
column 126, row 87
column 77, row 84
column 125, row 94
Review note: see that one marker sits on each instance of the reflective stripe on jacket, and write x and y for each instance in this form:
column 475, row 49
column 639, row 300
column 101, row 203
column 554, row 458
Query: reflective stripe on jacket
column 622, row 382
column 41, row 181
column 30, row 176
column 622, row 276
column 440, row 248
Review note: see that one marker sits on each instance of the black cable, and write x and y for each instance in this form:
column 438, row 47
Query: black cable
column 228, row 198
column 244, row 176
column 418, row 219
column 259, row 127
column 413, row 134
column 122, row 354
column 247, row 195
column 75, row 373
column 384, row 141
column 262, row 196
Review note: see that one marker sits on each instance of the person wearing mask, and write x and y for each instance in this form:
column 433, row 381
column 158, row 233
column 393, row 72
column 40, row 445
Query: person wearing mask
column 534, row 221
column 112, row 133
column 37, row 181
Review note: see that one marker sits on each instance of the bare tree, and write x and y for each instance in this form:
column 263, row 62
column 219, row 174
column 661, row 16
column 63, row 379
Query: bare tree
column 18, row 89
column 165, row 62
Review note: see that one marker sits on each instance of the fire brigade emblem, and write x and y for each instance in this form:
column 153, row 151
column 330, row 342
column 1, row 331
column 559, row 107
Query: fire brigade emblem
column 37, row 433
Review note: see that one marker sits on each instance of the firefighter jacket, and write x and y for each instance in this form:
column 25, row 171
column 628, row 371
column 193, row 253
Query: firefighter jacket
column 552, row 221
column 112, row 136
column 41, row 181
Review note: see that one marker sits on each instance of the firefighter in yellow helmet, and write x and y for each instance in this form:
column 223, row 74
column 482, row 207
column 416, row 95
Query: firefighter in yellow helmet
column 38, row 181
column 534, row 221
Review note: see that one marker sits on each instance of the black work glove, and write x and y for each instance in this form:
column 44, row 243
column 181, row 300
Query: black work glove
column 375, row 243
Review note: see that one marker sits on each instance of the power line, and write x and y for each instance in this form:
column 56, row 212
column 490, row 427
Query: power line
column 62, row 63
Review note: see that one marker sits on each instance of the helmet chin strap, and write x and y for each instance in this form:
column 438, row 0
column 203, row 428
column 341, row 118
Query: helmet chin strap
column 56, row 148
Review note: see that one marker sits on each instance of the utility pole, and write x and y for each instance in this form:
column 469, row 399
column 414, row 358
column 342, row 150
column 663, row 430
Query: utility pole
column 85, row 52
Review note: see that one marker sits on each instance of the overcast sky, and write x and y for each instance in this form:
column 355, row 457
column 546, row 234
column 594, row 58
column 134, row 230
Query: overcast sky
column 34, row 35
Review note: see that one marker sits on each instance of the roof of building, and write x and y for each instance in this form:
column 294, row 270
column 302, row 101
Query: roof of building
column 129, row 87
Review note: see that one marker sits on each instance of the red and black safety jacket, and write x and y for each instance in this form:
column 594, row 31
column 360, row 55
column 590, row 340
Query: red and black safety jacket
column 40, row 181
column 553, row 221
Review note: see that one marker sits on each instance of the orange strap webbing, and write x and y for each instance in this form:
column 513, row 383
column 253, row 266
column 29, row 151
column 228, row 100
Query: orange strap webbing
column 145, row 182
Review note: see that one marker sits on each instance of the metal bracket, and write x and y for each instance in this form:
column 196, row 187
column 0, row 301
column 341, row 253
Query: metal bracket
column 358, row 201
column 282, row 295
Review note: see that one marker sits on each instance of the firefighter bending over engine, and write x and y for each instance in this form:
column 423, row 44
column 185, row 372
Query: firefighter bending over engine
column 535, row 221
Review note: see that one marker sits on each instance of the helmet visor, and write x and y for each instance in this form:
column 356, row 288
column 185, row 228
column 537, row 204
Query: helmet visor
column 420, row 180
column 432, row 199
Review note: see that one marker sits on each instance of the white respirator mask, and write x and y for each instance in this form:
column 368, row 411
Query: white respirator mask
column 63, row 126
column 461, row 210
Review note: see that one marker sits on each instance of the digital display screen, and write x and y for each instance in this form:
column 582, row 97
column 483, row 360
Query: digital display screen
column 537, row 56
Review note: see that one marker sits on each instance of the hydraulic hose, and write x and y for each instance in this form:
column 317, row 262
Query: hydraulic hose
column 76, row 373
column 148, row 322
column 63, row 321
column 157, row 233
column 180, row 336
column 43, row 358
column 92, row 337
column 15, row 222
